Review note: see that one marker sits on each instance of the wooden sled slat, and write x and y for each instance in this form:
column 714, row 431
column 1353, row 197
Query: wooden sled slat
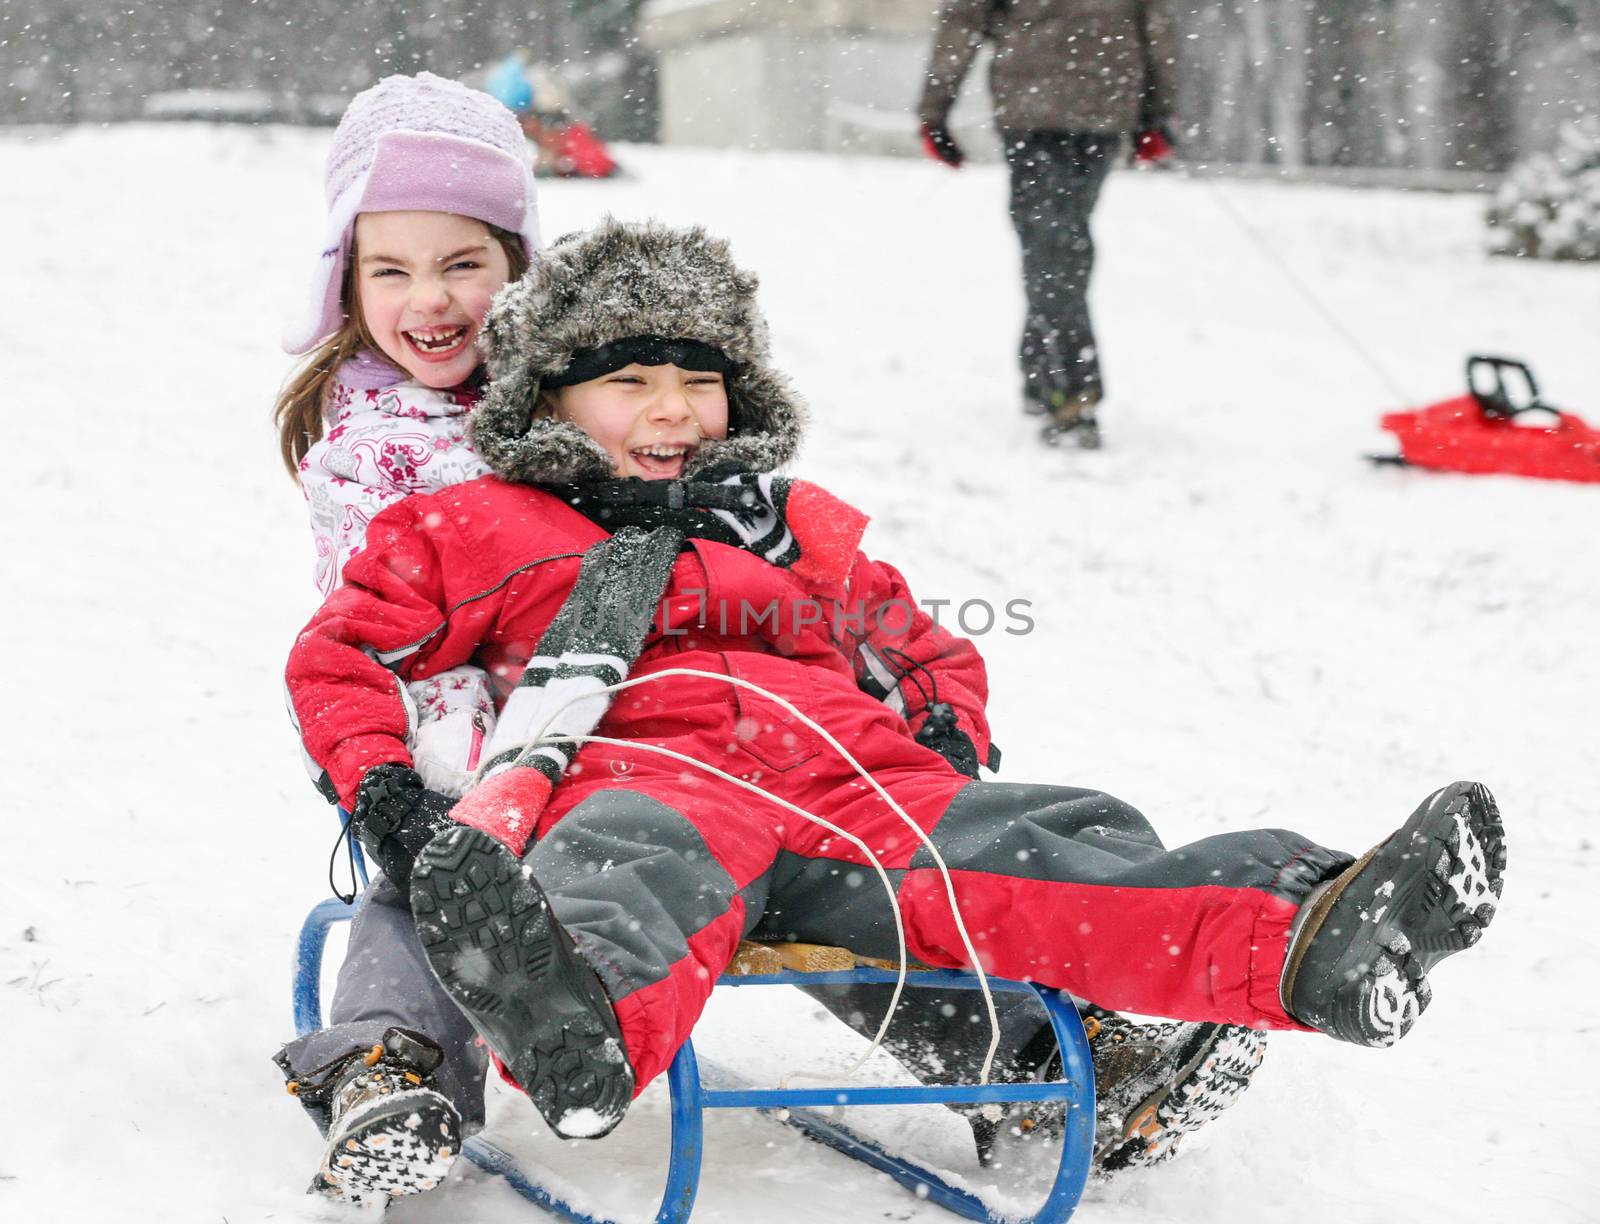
column 757, row 958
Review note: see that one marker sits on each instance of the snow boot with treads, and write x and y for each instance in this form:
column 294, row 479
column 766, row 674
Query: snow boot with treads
column 1363, row 942
column 1155, row 1082
column 492, row 941
column 390, row 1133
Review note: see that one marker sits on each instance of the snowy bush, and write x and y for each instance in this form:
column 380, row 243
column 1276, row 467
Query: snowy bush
column 1548, row 207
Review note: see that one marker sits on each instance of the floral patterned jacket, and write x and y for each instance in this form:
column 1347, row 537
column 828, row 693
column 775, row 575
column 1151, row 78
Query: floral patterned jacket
column 382, row 444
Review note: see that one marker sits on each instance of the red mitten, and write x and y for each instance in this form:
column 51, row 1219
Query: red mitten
column 828, row 531
column 1153, row 145
column 506, row 806
column 939, row 144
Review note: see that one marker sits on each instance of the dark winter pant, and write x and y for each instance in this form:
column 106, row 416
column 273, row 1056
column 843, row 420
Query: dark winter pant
column 1055, row 180
column 385, row 981
column 658, row 870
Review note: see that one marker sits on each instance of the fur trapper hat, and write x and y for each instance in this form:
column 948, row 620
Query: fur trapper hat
column 615, row 282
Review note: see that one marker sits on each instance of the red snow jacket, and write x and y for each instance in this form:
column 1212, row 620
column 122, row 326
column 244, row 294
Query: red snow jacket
column 476, row 572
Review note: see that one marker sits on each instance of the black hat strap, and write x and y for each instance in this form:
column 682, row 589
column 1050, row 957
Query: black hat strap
column 642, row 350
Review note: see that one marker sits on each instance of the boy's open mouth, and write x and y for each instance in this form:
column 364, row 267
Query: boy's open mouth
column 437, row 343
column 663, row 461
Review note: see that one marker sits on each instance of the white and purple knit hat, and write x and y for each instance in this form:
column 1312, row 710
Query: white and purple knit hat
column 420, row 143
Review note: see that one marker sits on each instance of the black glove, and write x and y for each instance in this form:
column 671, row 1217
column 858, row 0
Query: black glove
column 395, row 817
column 941, row 733
column 939, row 144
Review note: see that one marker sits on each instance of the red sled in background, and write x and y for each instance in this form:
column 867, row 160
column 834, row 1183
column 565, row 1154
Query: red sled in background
column 1499, row 427
column 578, row 153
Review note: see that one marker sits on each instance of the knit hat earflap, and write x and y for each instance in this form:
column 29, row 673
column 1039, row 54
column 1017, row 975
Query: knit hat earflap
column 422, row 143
column 642, row 291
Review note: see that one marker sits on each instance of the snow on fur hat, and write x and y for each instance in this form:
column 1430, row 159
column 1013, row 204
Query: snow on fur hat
column 421, row 143
column 620, row 281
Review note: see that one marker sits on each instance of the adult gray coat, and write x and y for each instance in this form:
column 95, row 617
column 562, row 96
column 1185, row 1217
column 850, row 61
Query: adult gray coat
column 1059, row 65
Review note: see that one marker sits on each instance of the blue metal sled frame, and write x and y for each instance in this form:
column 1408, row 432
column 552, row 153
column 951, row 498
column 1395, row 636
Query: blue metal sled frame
column 796, row 1106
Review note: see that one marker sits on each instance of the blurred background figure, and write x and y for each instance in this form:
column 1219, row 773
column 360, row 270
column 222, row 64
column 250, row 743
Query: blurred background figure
column 1069, row 81
column 567, row 146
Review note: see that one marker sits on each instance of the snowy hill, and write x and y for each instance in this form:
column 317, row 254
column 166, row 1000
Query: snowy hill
column 1237, row 622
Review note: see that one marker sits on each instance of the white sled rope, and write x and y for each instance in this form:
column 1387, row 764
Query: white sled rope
column 543, row 738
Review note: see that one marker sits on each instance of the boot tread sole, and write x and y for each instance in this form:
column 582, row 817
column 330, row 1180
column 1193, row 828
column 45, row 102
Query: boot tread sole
column 508, row 965
column 1426, row 893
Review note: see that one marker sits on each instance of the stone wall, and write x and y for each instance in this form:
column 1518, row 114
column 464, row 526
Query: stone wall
column 837, row 75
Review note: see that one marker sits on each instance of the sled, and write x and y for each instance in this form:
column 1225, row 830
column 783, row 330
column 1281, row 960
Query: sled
column 794, row 965
column 567, row 146
column 579, row 153
column 1500, row 426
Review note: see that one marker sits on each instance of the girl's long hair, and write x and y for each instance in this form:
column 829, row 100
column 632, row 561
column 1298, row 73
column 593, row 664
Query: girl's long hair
column 298, row 413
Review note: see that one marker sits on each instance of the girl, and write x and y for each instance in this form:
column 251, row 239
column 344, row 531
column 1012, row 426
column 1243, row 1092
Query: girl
column 597, row 879
column 432, row 210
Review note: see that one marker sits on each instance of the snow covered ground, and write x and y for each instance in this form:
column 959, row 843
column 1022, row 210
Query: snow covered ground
column 1238, row 622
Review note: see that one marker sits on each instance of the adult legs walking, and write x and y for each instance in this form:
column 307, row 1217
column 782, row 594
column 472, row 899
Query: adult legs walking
column 1055, row 180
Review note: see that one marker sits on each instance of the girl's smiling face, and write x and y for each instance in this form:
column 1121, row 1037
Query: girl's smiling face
column 424, row 281
column 650, row 419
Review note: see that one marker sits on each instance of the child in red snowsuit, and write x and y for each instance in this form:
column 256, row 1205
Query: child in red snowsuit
column 598, row 879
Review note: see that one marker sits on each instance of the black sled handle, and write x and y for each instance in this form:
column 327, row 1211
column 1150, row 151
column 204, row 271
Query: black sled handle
column 1502, row 386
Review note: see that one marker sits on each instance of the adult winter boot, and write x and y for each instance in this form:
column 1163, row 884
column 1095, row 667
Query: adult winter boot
column 1154, row 1083
column 1363, row 944
column 492, row 941
column 390, row 1133
column 1072, row 419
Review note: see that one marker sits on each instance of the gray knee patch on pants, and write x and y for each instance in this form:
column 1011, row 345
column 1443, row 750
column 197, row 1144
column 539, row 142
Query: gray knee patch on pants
column 631, row 880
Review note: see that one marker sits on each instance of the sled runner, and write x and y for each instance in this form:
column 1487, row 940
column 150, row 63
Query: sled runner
column 692, row 1091
column 1500, row 426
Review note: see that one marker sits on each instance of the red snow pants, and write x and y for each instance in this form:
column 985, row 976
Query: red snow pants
column 658, row 869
